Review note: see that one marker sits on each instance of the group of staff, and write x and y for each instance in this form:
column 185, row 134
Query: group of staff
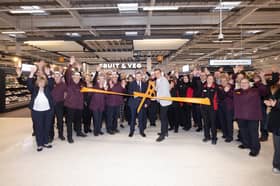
column 251, row 102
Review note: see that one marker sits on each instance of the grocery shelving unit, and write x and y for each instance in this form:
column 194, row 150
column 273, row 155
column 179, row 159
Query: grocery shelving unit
column 13, row 95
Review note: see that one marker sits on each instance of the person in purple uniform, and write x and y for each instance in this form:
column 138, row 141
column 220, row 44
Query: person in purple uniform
column 225, row 111
column 113, row 103
column 248, row 112
column 97, row 105
column 58, row 94
column 41, row 106
column 73, row 101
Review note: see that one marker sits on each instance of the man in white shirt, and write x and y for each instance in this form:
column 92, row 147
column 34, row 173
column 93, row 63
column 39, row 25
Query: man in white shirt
column 162, row 88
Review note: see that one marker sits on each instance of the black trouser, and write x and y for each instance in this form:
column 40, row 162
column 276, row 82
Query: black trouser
column 58, row 114
column 163, row 120
column 73, row 116
column 112, row 118
column 87, row 118
column 33, row 125
column 226, row 121
column 209, row 117
column 42, row 122
column 276, row 156
column 173, row 117
column 185, row 116
column 264, row 122
column 250, row 134
column 97, row 121
column 152, row 112
column 197, row 117
column 142, row 118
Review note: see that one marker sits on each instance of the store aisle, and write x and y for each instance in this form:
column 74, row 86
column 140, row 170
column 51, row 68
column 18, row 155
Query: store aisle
column 183, row 159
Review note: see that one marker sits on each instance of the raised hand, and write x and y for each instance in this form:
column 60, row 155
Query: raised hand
column 98, row 68
column 18, row 71
column 33, row 71
column 72, row 60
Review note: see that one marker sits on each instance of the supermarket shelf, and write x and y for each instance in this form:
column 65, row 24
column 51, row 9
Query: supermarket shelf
column 16, row 105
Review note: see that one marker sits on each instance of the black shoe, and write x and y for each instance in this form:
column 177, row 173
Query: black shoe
column 121, row 125
column 81, row 135
column 95, row 134
column 110, row 132
column 205, row 139
column 39, row 149
column 89, row 130
column 62, row 138
column 242, row 147
column 253, row 154
column 116, row 131
column 214, row 142
column 263, row 138
column 33, row 133
column 101, row 133
column 186, row 129
column 228, row 140
column 160, row 138
column 171, row 128
column 166, row 135
column 238, row 139
column 224, row 136
column 50, row 140
column 153, row 124
column 198, row 130
column 131, row 134
column 70, row 140
column 143, row 134
column 47, row 146
column 176, row 131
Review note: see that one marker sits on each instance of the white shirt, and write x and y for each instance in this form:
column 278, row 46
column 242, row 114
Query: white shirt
column 41, row 102
column 162, row 88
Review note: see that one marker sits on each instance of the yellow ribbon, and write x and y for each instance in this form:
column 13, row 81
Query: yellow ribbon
column 150, row 94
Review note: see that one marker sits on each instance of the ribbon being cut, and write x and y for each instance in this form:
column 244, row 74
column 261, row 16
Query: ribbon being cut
column 150, row 94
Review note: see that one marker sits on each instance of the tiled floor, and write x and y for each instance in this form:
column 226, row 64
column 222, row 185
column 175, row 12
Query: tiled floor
column 182, row 160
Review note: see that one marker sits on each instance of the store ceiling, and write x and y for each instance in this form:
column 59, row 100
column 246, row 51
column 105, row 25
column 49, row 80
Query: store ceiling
column 102, row 30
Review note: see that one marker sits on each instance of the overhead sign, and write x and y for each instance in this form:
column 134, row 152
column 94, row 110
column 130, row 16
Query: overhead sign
column 121, row 65
column 225, row 62
column 186, row 68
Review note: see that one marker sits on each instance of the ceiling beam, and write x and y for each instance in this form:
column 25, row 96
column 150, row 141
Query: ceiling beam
column 76, row 16
column 64, row 21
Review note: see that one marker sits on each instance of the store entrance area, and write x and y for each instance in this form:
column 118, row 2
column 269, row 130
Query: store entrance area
column 107, row 160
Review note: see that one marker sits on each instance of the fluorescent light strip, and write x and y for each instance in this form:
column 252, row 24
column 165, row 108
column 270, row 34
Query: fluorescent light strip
column 228, row 5
column 191, row 32
column 123, row 7
column 160, row 8
column 131, row 33
column 13, row 32
column 26, row 11
column 225, row 41
column 254, row 31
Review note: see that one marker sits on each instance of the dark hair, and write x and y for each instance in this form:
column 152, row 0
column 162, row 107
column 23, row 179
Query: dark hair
column 157, row 69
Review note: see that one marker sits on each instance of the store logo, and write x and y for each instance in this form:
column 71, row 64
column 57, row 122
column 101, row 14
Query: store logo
column 121, row 65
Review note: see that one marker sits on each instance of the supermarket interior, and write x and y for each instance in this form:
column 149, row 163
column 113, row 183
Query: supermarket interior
column 195, row 122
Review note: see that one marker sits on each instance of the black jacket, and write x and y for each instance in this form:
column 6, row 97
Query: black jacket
column 274, row 115
column 34, row 91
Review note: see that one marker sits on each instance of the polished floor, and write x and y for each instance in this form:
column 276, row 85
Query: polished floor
column 181, row 160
